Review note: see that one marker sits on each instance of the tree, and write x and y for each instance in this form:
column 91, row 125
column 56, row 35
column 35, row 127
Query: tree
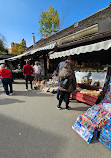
column 49, row 22
column 18, row 48
column 2, row 47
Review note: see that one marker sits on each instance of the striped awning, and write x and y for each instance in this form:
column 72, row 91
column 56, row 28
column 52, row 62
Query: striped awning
column 82, row 49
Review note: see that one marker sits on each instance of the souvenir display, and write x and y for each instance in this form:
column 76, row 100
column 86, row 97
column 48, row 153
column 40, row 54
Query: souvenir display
column 83, row 132
column 84, row 127
column 97, row 118
column 90, row 92
column 90, row 83
column 47, row 86
column 105, row 134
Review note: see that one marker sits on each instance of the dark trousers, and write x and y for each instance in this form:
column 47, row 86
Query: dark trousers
column 64, row 96
column 28, row 78
column 6, row 82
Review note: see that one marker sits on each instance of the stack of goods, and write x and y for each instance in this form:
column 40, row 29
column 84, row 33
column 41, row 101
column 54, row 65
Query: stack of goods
column 46, row 86
column 90, row 92
column 92, row 120
column 84, row 127
column 105, row 134
column 99, row 113
column 50, row 86
column 89, row 123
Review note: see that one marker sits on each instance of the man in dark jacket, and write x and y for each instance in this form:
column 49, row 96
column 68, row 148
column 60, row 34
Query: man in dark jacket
column 28, row 71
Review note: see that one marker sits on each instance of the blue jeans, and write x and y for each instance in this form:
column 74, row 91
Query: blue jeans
column 58, row 93
column 6, row 82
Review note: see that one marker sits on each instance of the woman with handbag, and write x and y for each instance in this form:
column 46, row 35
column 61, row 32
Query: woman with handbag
column 6, row 79
column 67, row 84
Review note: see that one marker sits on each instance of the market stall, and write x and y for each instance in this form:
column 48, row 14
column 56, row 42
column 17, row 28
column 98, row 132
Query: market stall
column 90, row 82
column 96, row 121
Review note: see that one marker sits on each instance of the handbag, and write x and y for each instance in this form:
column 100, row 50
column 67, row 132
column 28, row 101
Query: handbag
column 64, row 83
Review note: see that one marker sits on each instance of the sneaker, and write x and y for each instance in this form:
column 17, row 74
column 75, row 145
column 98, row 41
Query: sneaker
column 68, row 108
column 11, row 94
column 58, row 107
column 26, row 89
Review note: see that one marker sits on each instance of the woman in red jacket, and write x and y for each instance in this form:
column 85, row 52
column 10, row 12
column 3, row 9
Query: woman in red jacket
column 6, row 79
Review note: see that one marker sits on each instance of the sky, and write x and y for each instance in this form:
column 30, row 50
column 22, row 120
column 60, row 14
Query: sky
column 19, row 18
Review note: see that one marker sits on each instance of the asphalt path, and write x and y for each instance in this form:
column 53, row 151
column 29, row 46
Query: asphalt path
column 32, row 127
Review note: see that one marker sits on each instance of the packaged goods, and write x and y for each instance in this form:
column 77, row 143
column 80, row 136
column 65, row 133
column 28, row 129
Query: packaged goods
column 95, row 119
column 83, row 132
column 105, row 134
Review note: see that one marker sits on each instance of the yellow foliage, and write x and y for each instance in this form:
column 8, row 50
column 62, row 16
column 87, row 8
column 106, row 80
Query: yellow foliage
column 18, row 49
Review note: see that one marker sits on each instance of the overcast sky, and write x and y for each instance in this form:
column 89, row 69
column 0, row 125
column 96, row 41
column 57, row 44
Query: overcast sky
column 19, row 18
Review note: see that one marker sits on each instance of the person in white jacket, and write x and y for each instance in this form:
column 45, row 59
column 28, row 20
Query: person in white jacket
column 37, row 71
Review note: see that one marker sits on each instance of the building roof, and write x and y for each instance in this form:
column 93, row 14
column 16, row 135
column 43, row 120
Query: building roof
column 85, row 23
column 5, row 56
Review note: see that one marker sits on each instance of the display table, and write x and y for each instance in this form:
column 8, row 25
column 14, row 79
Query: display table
column 46, row 86
column 85, row 98
column 89, row 86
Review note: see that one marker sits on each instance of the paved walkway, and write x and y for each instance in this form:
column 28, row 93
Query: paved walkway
column 32, row 127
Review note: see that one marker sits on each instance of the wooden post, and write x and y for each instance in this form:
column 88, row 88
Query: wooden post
column 47, row 61
column 45, row 65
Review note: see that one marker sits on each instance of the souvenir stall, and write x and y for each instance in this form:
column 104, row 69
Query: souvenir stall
column 50, row 85
column 90, row 58
column 90, row 82
column 96, row 121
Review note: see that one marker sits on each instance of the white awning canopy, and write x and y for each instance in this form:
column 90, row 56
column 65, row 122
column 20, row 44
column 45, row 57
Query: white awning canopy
column 51, row 46
column 19, row 56
column 32, row 51
column 2, row 61
column 82, row 49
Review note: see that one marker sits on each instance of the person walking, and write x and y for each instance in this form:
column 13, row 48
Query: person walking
column 37, row 70
column 8, row 67
column 28, row 71
column 67, row 84
column 59, row 68
column 6, row 79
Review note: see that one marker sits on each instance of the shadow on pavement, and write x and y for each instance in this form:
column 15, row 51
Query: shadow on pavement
column 15, row 82
column 4, row 101
column 20, row 140
column 74, row 101
column 33, row 93
column 79, row 108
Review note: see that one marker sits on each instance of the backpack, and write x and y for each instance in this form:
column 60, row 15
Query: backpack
column 64, row 83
